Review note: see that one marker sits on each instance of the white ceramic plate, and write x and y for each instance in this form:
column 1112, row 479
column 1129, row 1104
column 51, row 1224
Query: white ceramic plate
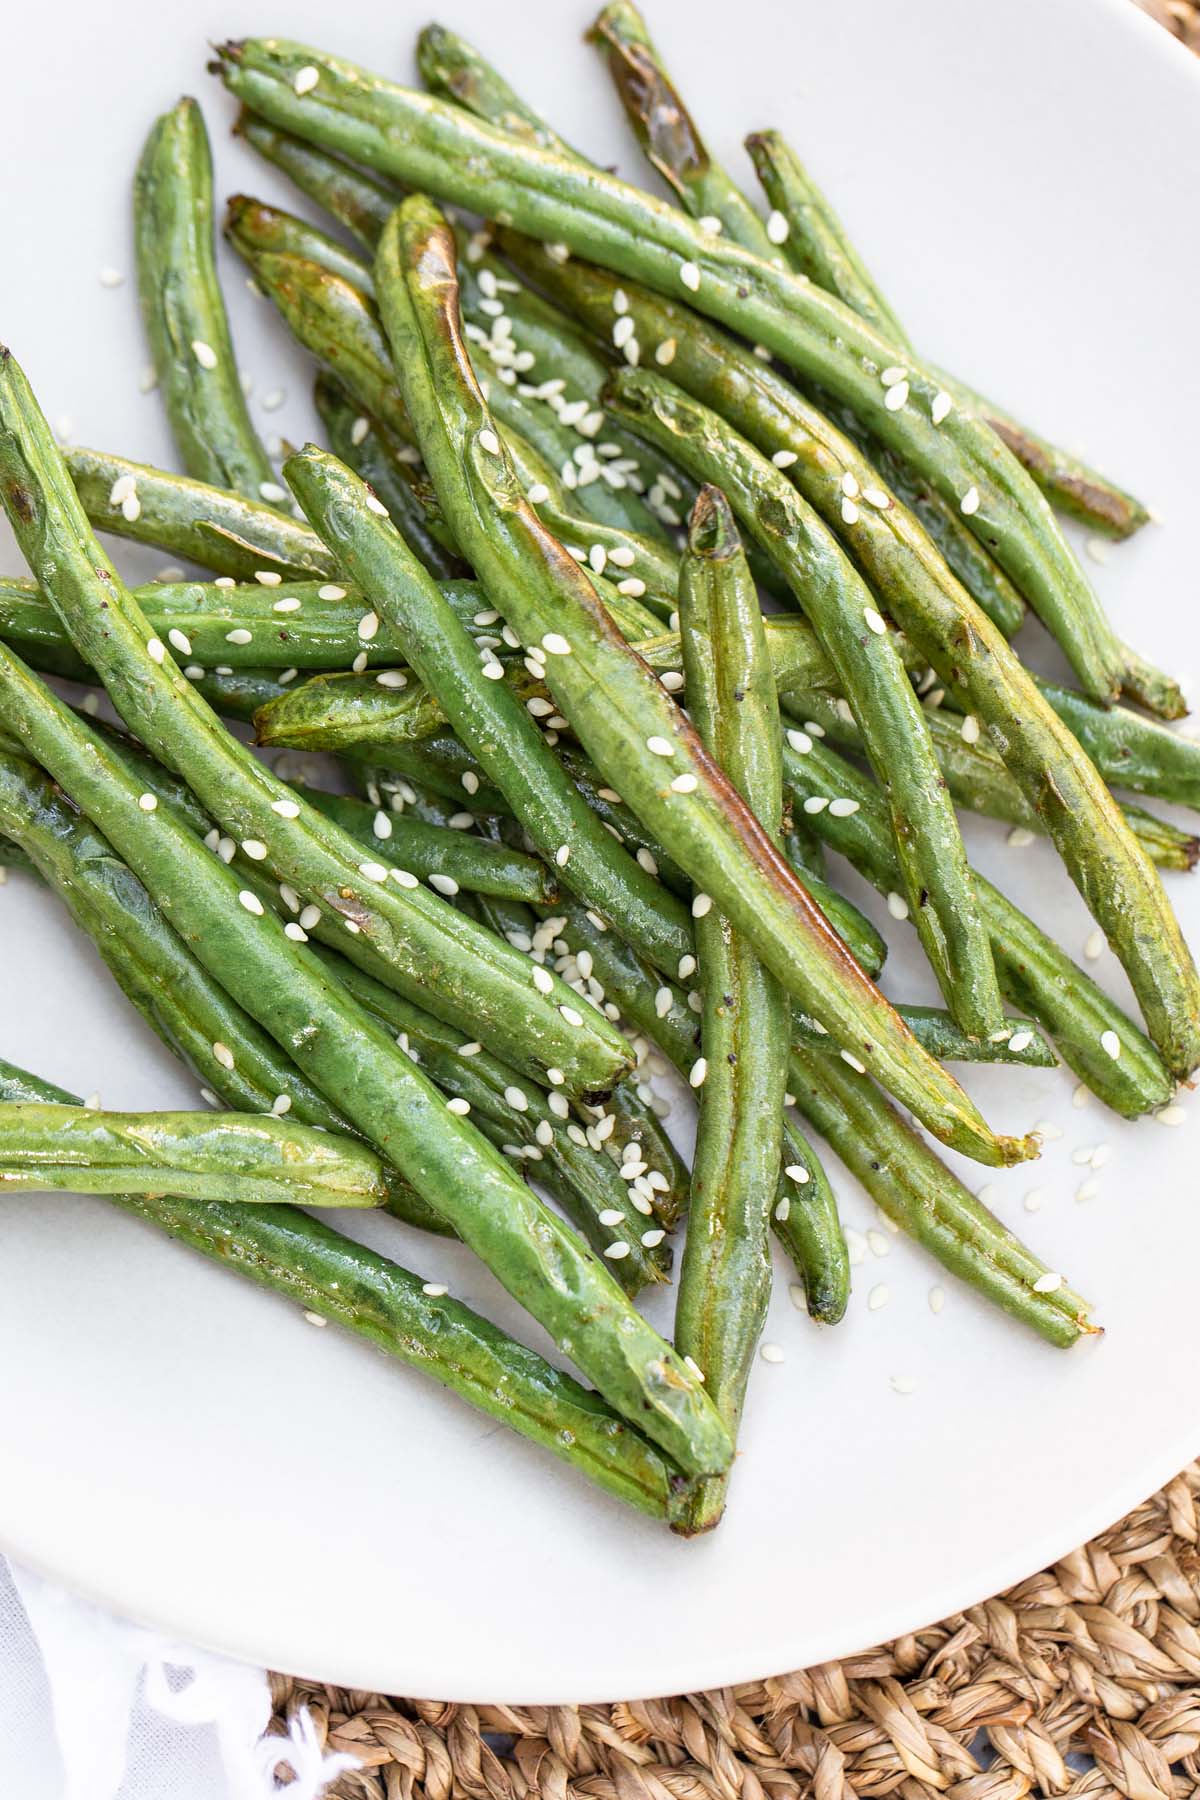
column 189, row 1449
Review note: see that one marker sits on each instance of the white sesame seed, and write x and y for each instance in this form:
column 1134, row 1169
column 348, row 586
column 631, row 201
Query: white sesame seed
column 877, row 497
column 777, row 228
column 571, row 1016
column 799, row 741
column 372, row 871
column 896, row 397
column 204, row 353
column 296, row 932
column 970, row 729
column 1033, row 1200
column 878, row 1296
column 470, row 781
column 859, row 1068
column 653, row 1238
column 156, row 650
column 817, row 731
column 445, row 884
column 816, row 803
column 489, row 441
column 251, row 902
column 1020, row 1040
column 239, row 635
column 1171, row 1115
column 902, row 1384
column 330, row 591
column 148, row 802
column 1087, row 1190
column 271, row 491
column 771, row 1353
column 148, row 379
column 224, row 1055
column 689, row 274
column 1048, row 1283
column 254, row 849
column 783, row 1208
column 874, row 621
column 375, row 505
column 121, row 489
column 672, row 680
column 310, row 917
column 701, row 905
column 517, row 1098
column 459, row 1106
column 798, row 1173
column 226, row 849
column 686, row 967
column 611, row 1216
column 436, row 1290
column 561, row 855
column 623, row 329
column 685, row 784
column 970, row 502
column 942, row 403
column 1110, row 1043
column 266, row 577
column 368, row 625
column 897, row 905
column 699, row 1070
column 660, row 746
column 555, row 644
column 305, row 79
column 633, row 587
column 783, row 459
column 542, row 981
column 289, row 604
column 1020, row 837
column 110, row 278
column 893, row 375
column 849, row 512
column 665, row 353
column 616, row 1251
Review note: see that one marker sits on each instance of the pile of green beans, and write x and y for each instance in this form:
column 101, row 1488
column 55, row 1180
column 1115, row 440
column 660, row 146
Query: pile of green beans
column 569, row 836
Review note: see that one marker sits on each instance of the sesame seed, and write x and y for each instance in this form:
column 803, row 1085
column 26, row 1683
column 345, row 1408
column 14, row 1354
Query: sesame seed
column 686, row 967
column 110, row 278
column 542, row 981
column 970, row 729
column 555, row 644
column 445, row 884
column 296, row 932
column 616, row 1251
column 489, row 441
column 878, row 1296
column 777, row 228
column 517, row 1098
column 239, row 635
column 251, row 902
column 970, row 502
column 289, row 604
column 783, row 1208
column 1020, row 837
column 937, row 1299
column 1048, row 1283
column 1094, row 945
column 1171, row 1115
column 816, row 803
column 689, row 274
column 849, row 512
column 874, row 621
column 1110, row 1043
column 375, row 505
column 633, row 587
column 1020, row 1040
column 798, row 1173
column 896, row 396
column 877, row 497
column 897, row 905
column 561, row 855
column 653, row 1238
column 672, row 680
column 660, row 746
column 665, row 353
column 204, row 353
column 645, row 860
column 902, row 1384
column 859, row 1068
column 799, row 741
column 1033, row 1200
column 148, row 379
column 272, row 401
column 458, row 1105
column 685, row 784
column 893, row 375
column 330, row 591
column 289, row 896
column 942, row 403
column 254, row 849
column 783, row 459
column 271, row 491
column 305, row 79
column 156, row 650
column 699, row 1070
column 148, row 802
column 368, row 625
column 223, row 1055
column 470, row 781
column 623, row 329
column 1087, row 1190
column 1081, row 1097
column 571, row 1016
column 701, row 905
column 266, row 577
column 771, row 1353
column 226, row 849
column 611, row 1216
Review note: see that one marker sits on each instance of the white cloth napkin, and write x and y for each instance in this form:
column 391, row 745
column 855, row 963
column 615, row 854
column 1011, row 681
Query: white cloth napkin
column 94, row 1708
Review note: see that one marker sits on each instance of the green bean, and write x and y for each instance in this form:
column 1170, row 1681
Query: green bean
column 270, row 230
column 159, row 975
column 851, row 925
column 1130, row 751
column 375, row 455
column 1113, row 874
column 1095, row 1038
column 358, row 202
column 1019, row 1041
column 621, row 714
column 184, row 312
column 725, row 1275
column 486, row 714
column 298, row 1257
column 451, row 67
column 539, row 1259
column 211, row 526
column 881, row 537
column 818, row 246
column 236, row 1157
column 664, row 129
column 978, row 780
column 438, row 148
column 453, row 859
column 921, row 1195
column 461, row 972
column 527, row 1124
column 843, row 613
column 339, row 712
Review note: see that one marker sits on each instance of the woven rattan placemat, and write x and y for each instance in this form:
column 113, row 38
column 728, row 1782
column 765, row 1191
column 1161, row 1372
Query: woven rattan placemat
column 1081, row 1681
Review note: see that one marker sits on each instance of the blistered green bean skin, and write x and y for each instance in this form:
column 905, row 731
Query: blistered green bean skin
column 222, row 1156
column 184, row 312
column 725, row 1275
column 302, row 1259
column 453, row 68
column 620, row 712
column 487, row 715
column 212, row 526
column 666, row 132
column 1037, row 977
column 843, row 612
column 455, row 968
column 159, row 975
column 442, row 150
column 818, row 246
column 928, row 1201
column 383, row 1093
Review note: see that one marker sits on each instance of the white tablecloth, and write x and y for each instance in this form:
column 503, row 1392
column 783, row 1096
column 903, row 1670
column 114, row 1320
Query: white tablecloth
column 94, row 1708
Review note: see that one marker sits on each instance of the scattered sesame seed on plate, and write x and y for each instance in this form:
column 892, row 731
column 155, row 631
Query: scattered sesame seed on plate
column 878, row 1296
column 1033, row 1200
column 771, row 1353
column 937, row 1299
column 1171, row 1115
column 1020, row 837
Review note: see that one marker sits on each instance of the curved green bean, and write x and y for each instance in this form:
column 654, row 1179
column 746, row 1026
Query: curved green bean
column 356, row 200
